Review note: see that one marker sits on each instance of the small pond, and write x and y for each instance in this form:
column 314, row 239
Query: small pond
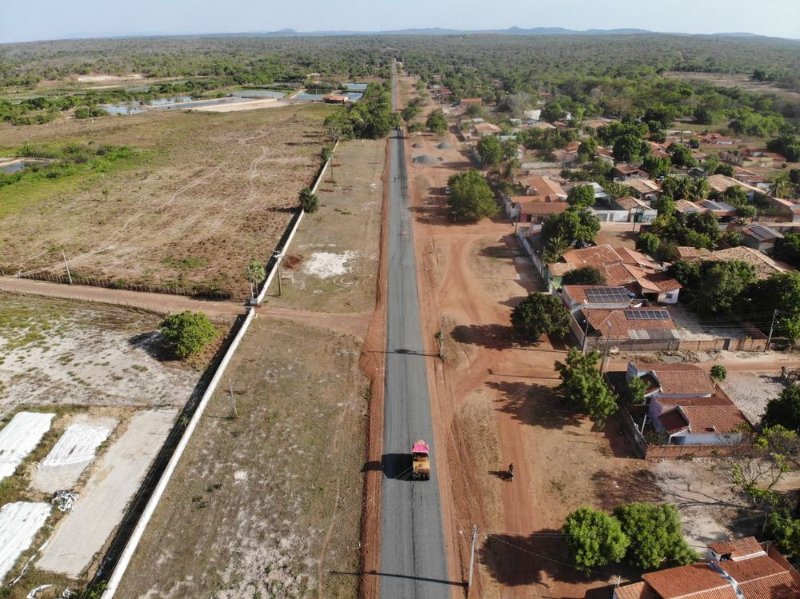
column 258, row 93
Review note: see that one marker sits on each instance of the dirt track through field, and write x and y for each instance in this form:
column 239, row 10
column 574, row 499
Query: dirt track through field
column 160, row 303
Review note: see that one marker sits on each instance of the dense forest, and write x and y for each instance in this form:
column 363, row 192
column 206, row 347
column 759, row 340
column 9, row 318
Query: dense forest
column 517, row 59
column 618, row 76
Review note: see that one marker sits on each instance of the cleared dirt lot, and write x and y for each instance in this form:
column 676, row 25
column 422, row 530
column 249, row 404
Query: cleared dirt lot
column 751, row 392
column 55, row 352
column 211, row 192
column 269, row 502
column 332, row 264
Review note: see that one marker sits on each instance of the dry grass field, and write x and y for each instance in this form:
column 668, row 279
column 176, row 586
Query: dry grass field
column 266, row 503
column 206, row 194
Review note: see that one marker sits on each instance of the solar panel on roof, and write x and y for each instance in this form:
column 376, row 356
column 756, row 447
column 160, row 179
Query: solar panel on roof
column 607, row 294
column 647, row 314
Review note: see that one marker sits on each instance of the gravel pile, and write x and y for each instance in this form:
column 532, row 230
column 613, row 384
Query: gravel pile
column 445, row 146
column 424, row 159
column 416, row 145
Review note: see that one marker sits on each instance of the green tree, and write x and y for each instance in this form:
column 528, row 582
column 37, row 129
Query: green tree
column 436, row 122
column 309, row 202
column 681, row 155
column 471, row 197
column 586, row 275
column 788, row 249
column 723, row 283
column 648, row 243
column 587, row 149
column 581, row 196
column 553, row 112
column 187, row 333
column 656, row 535
column 594, row 539
column 629, row 148
column 657, row 166
column 575, row 225
column 583, row 386
column 784, row 410
column 490, row 150
column 784, row 529
column 703, row 116
column 540, row 314
column 719, row 373
column 635, row 391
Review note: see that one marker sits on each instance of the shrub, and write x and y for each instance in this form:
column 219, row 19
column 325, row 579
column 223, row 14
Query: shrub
column 309, row 201
column 187, row 333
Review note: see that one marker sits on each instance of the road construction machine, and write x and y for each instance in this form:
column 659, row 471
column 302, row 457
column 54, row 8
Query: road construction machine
column 420, row 460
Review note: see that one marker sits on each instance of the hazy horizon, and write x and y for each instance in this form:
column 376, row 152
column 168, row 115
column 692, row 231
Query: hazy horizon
column 41, row 20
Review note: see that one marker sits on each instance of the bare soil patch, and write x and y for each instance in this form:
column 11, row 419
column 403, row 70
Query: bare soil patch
column 751, row 392
column 333, row 260
column 267, row 503
column 58, row 352
column 216, row 192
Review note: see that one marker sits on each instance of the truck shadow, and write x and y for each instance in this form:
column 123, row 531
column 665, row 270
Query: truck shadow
column 397, row 466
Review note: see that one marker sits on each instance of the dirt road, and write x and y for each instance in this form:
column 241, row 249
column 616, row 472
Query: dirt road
column 159, row 303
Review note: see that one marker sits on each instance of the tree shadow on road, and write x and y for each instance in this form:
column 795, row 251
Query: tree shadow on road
column 534, row 405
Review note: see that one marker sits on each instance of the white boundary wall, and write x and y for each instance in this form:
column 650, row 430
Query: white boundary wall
column 133, row 542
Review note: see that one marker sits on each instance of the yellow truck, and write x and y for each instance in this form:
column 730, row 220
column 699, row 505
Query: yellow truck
column 420, row 460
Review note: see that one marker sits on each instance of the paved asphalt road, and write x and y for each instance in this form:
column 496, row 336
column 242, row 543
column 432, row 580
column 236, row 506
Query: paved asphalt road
column 413, row 561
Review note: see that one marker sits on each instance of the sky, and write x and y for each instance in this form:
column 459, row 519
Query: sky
column 30, row 20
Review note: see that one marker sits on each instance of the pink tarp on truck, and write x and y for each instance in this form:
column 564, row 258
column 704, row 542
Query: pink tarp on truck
column 420, row 447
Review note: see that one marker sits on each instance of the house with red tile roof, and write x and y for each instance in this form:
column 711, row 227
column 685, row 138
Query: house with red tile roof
column 710, row 420
column 623, row 267
column 672, row 380
column 619, row 326
column 749, row 570
column 537, row 185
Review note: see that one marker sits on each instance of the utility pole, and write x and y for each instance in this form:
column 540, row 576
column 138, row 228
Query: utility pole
column 233, row 400
column 69, row 275
column 472, row 554
column 771, row 329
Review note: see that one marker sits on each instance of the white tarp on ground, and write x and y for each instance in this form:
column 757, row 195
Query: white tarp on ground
column 19, row 523
column 73, row 452
column 20, row 437
column 82, row 533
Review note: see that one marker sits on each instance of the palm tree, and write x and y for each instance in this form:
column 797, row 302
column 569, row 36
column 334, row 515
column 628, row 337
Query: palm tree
column 781, row 187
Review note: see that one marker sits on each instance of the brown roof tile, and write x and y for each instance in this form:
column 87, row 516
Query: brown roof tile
column 637, row 590
column 736, row 547
column 752, row 568
column 673, row 421
column 675, row 583
column 718, row 419
column 780, row 586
